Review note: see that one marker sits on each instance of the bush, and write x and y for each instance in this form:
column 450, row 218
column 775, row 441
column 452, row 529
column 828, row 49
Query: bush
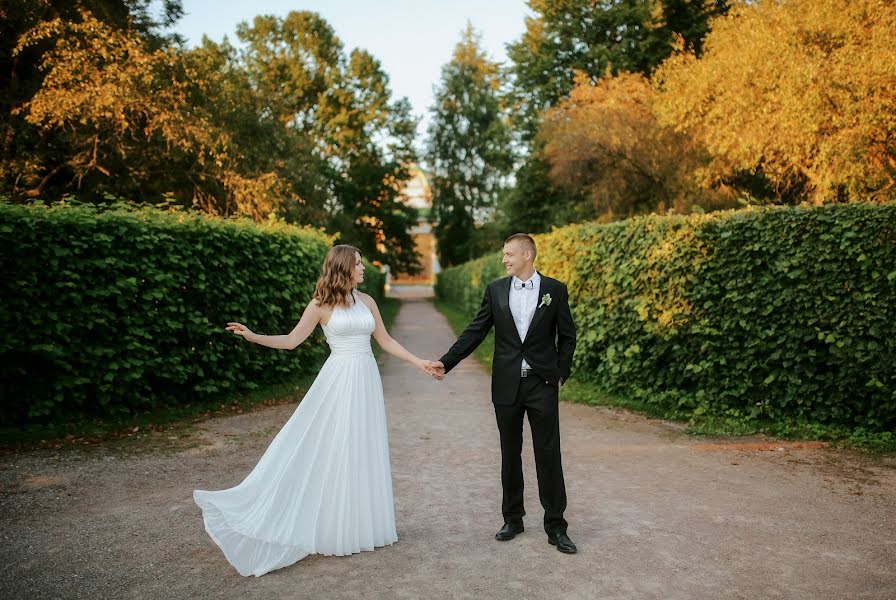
column 765, row 313
column 464, row 285
column 111, row 310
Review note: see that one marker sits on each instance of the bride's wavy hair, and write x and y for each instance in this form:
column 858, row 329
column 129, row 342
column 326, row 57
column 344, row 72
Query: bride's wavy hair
column 335, row 284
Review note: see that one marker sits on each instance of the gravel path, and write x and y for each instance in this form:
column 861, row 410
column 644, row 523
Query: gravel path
column 655, row 513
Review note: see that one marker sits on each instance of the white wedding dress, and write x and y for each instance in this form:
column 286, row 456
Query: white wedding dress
column 324, row 485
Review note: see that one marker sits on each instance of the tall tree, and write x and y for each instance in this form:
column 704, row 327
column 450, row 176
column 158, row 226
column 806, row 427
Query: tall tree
column 342, row 105
column 289, row 124
column 801, row 91
column 468, row 149
column 108, row 105
column 597, row 38
column 266, row 144
column 23, row 68
column 605, row 143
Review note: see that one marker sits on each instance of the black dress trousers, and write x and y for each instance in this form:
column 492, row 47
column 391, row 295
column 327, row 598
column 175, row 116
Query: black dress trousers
column 539, row 400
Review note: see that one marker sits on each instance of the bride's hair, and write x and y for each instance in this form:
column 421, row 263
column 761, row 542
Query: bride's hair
column 335, row 283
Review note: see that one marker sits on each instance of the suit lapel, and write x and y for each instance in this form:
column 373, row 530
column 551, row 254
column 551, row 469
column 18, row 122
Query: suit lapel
column 504, row 299
column 543, row 289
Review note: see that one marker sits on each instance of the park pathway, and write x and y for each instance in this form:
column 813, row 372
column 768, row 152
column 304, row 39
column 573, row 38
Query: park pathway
column 655, row 513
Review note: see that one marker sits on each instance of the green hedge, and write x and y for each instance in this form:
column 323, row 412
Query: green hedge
column 464, row 285
column 780, row 313
column 110, row 310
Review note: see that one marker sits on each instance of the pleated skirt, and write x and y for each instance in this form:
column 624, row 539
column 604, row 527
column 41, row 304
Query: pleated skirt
column 323, row 486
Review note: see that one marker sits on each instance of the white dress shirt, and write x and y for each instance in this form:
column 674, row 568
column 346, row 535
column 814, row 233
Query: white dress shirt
column 522, row 305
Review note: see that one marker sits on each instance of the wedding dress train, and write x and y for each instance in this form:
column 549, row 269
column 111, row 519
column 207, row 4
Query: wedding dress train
column 324, row 485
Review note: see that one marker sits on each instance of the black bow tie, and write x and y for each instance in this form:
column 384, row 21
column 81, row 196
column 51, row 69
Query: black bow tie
column 529, row 285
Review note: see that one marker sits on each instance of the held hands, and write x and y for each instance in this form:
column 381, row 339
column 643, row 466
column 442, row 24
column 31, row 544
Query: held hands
column 430, row 368
column 436, row 369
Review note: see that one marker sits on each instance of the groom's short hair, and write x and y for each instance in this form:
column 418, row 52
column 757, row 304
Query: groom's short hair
column 526, row 240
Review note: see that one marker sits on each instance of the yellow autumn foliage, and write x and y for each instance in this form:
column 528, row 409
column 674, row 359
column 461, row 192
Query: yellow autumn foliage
column 604, row 141
column 123, row 106
column 802, row 90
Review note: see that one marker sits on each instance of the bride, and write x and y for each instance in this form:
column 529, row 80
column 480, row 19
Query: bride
column 324, row 485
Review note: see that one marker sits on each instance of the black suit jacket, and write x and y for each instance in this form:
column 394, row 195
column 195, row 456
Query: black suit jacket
column 548, row 348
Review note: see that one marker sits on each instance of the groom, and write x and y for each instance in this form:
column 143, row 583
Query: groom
column 535, row 338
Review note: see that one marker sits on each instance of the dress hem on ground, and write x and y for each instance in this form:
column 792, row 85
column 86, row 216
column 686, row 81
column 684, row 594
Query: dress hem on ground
column 216, row 525
column 324, row 483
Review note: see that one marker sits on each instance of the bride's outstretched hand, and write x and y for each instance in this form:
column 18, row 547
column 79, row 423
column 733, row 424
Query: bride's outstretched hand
column 238, row 329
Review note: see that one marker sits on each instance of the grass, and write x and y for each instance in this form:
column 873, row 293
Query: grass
column 173, row 419
column 586, row 392
column 836, row 435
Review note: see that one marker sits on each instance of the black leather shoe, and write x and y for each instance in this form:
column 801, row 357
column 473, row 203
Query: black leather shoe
column 509, row 531
column 563, row 543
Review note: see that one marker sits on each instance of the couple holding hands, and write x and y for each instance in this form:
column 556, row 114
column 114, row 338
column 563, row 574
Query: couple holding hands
column 324, row 486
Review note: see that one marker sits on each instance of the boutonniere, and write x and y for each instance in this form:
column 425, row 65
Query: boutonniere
column 545, row 301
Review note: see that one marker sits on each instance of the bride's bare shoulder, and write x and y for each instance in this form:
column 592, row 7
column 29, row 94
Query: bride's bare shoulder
column 322, row 312
column 367, row 299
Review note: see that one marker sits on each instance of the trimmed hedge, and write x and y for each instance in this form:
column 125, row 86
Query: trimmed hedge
column 776, row 312
column 464, row 285
column 110, row 310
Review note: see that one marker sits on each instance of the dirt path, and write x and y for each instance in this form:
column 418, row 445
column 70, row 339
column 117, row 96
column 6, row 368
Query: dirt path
column 655, row 513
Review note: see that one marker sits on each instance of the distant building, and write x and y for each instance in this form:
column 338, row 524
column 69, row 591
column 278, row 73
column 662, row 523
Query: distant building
column 418, row 194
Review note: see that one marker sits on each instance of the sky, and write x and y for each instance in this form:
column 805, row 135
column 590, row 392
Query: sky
column 412, row 39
